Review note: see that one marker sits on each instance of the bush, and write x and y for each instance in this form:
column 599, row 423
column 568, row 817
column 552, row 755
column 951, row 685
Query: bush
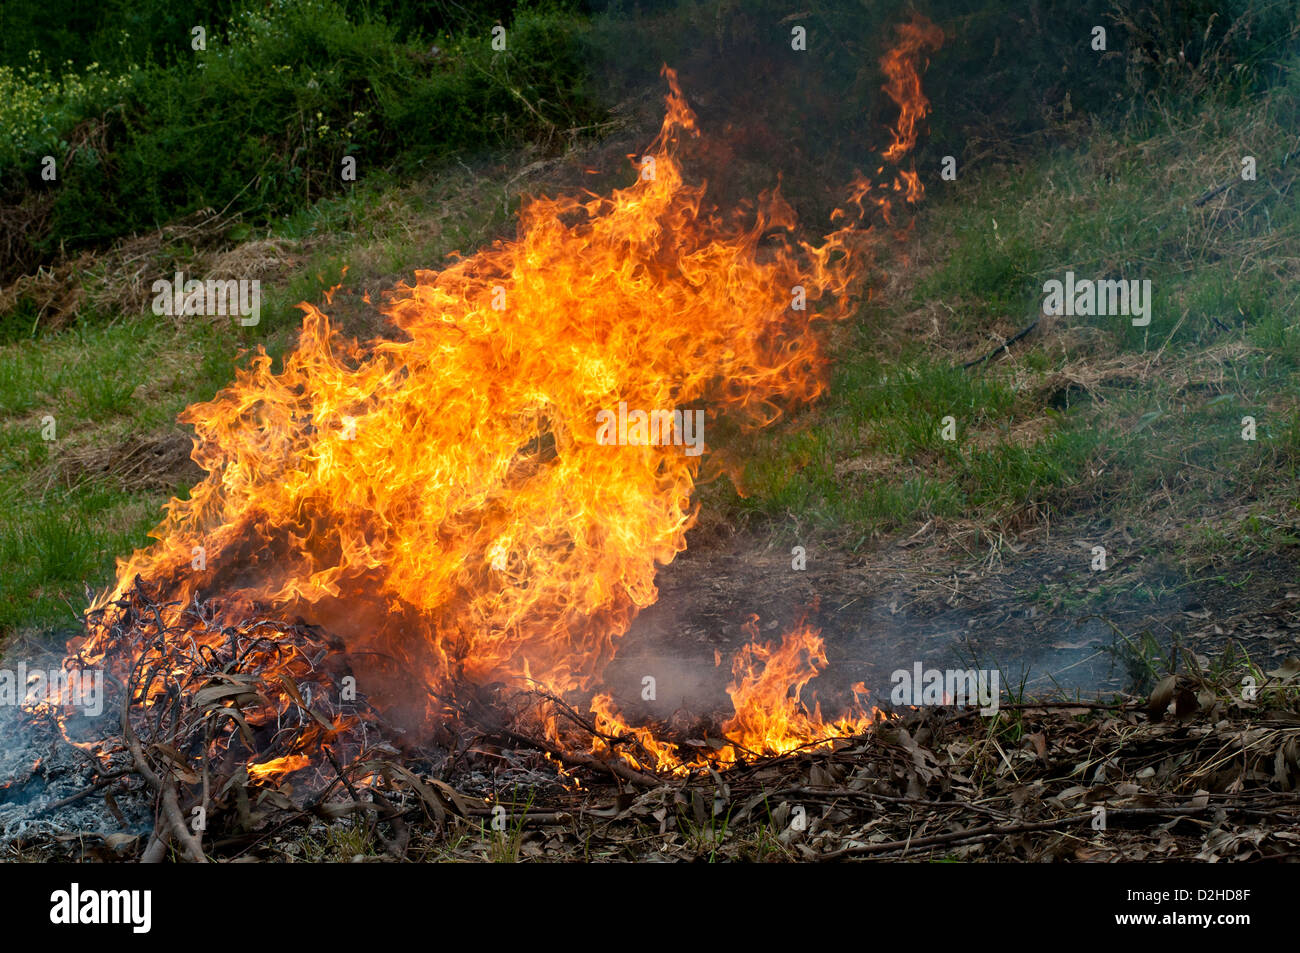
column 115, row 33
column 478, row 97
column 260, row 122
column 39, row 109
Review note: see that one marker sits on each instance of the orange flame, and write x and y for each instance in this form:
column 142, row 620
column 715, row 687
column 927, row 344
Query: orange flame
column 902, row 65
column 444, row 500
column 767, row 691
column 769, row 718
column 277, row 767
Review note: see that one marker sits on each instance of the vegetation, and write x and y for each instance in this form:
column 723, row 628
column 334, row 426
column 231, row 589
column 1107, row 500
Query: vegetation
column 1091, row 164
column 258, row 122
column 1087, row 409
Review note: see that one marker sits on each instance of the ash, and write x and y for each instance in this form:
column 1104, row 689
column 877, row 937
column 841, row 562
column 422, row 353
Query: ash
column 39, row 769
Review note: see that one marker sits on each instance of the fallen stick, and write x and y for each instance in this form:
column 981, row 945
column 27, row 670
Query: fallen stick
column 1217, row 190
column 975, row 833
column 575, row 760
column 342, row 775
column 834, row 794
column 1005, row 345
column 156, row 851
column 1094, row 706
column 990, row 830
column 616, row 768
column 395, row 848
column 189, row 844
column 104, row 781
column 542, row 817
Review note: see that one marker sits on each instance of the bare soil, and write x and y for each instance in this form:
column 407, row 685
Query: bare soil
column 1033, row 610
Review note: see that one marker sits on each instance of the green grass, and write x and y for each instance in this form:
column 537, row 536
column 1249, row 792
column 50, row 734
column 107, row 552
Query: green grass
column 53, row 546
column 61, row 526
column 109, row 380
column 893, row 418
column 1223, row 343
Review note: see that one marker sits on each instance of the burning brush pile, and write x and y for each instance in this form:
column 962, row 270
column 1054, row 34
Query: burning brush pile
column 421, row 551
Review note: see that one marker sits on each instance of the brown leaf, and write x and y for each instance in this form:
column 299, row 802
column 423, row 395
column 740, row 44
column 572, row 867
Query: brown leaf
column 698, row 808
column 438, row 795
column 1185, row 703
column 1287, row 670
column 819, row 777
column 1039, row 741
column 172, row 754
column 244, row 731
column 291, row 690
column 117, row 841
column 205, row 697
column 1161, row 696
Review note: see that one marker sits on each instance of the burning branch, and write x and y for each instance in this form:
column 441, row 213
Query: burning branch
column 224, row 710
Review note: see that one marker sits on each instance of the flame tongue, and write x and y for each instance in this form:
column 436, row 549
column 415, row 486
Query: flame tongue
column 902, row 66
column 445, row 500
column 769, row 715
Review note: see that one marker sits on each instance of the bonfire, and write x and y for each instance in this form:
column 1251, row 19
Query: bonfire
column 428, row 545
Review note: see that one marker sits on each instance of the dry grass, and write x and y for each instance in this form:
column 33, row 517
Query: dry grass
column 117, row 281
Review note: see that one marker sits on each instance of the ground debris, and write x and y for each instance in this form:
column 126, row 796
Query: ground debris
column 1199, row 769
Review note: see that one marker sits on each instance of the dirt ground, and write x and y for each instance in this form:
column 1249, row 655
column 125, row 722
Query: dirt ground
column 926, row 600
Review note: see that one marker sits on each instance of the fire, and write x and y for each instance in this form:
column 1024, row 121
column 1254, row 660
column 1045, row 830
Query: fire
column 441, row 500
column 904, row 87
column 647, row 751
column 278, row 766
column 767, row 694
column 769, row 716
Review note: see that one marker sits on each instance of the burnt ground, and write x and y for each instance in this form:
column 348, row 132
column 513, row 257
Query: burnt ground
column 1186, row 767
column 1035, row 612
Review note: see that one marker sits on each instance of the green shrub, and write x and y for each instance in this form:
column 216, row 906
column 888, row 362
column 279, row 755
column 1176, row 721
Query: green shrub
column 479, row 96
column 39, row 109
column 261, row 121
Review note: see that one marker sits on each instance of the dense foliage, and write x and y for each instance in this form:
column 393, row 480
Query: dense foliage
column 144, row 129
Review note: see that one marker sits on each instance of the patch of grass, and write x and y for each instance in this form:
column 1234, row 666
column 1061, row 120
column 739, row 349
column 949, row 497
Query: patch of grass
column 24, row 378
column 63, row 551
column 339, row 843
column 704, row 835
column 990, row 272
column 1142, row 657
column 502, row 844
column 762, row 846
column 60, row 528
column 1091, row 411
column 877, row 455
column 54, row 546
